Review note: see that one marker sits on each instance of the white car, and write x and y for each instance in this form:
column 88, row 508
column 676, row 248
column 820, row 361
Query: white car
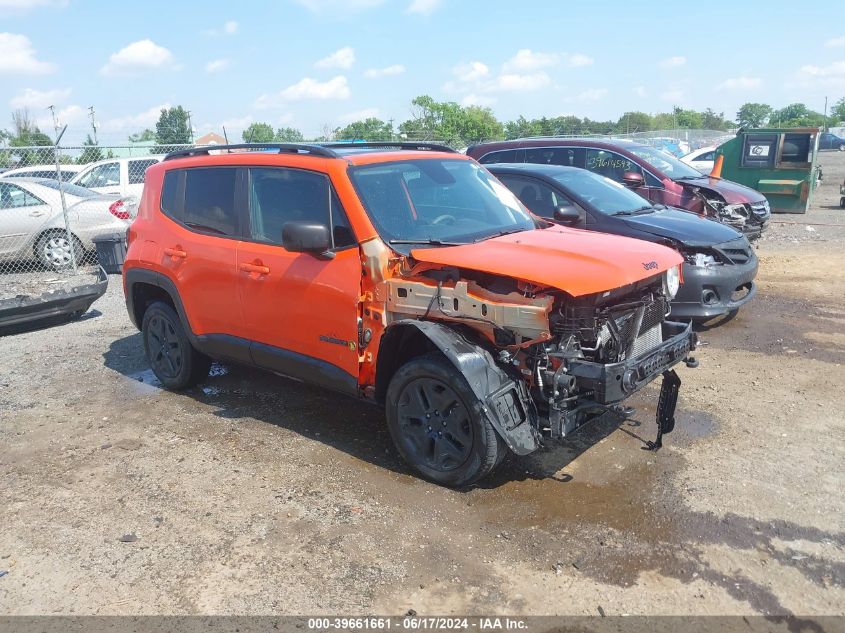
column 43, row 171
column 32, row 225
column 122, row 176
column 701, row 159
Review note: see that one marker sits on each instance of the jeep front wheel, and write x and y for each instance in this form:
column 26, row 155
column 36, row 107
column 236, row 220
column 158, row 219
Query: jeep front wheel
column 438, row 424
column 172, row 358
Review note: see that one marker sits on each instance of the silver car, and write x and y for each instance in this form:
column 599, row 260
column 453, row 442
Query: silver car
column 32, row 225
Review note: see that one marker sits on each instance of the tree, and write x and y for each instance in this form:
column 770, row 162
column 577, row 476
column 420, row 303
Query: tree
column 712, row 121
column 796, row 115
column 288, row 135
column 91, row 152
column 753, row 114
column 27, row 135
column 172, row 128
column 258, row 133
column 837, row 112
column 142, row 137
column 634, row 122
column 451, row 123
column 370, row 129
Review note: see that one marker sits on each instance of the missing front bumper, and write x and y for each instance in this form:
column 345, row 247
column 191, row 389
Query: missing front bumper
column 600, row 386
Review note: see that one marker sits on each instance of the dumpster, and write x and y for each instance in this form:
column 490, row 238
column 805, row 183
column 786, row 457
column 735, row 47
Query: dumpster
column 779, row 163
column 111, row 251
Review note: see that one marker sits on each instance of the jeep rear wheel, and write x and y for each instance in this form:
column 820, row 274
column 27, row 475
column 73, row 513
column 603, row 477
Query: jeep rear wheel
column 172, row 358
column 438, row 424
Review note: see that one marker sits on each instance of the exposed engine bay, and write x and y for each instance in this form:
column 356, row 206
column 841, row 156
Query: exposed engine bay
column 573, row 357
column 746, row 218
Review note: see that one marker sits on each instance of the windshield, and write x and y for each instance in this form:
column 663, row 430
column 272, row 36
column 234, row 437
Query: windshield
column 603, row 194
column 669, row 165
column 73, row 190
column 427, row 201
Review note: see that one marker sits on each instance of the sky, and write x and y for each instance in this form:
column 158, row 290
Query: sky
column 313, row 64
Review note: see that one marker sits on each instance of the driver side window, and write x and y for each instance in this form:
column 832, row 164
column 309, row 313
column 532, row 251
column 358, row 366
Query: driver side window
column 13, row 197
column 537, row 196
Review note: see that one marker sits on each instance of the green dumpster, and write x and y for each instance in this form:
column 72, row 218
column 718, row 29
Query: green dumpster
column 779, row 163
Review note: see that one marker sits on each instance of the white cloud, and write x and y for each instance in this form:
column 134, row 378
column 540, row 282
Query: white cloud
column 17, row 56
column 387, row 71
column 527, row 60
column 640, row 91
column 836, row 69
column 740, row 83
column 138, row 56
column 359, row 115
column 518, row 83
column 672, row 95
column 72, row 115
column 835, row 42
column 336, row 88
column 473, row 71
column 230, row 26
column 145, row 119
column 217, row 65
column 473, row 99
column 38, row 99
column 341, row 58
column 424, row 7
column 673, row 62
column 578, row 60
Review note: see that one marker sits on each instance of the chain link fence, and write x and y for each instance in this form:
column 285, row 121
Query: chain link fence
column 56, row 204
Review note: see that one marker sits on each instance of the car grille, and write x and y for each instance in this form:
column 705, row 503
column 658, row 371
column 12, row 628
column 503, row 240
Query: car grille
column 735, row 252
column 650, row 333
column 760, row 210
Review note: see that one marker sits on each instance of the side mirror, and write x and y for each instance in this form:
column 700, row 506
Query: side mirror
column 567, row 214
column 633, row 180
column 307, row 237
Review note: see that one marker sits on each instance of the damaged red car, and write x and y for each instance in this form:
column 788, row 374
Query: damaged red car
column 657, row 176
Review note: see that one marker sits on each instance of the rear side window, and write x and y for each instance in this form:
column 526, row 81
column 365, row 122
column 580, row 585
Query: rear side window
column 278, row 196
column 203, row 199
column 569, row 156
column 137, row 169
column 502, row 156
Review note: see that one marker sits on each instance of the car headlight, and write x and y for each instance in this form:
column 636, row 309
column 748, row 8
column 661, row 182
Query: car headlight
column 737, row 211
column 672, row 281
column 702, row 259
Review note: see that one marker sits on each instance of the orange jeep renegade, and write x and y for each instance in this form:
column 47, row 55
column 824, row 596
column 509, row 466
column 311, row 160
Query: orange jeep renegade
column 403, row 274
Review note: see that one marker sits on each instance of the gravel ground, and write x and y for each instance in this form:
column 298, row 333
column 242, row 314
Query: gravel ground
column 257, row 495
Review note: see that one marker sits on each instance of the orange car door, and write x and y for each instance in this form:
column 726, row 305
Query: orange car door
column 301, row 311
column 199, row 252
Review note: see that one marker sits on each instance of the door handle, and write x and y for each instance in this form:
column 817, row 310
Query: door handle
column 175, row 252
column 255, row 268
column 37, row 214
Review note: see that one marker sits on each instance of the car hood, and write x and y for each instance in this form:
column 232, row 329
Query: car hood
column 575, row 261
column 732, row 192
column 690, row 229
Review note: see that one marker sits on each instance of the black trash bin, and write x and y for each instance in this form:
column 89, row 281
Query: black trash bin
column 111, row 251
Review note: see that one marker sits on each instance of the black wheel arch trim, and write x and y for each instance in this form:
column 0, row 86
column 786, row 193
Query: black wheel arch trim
column 240, row 350
column 505, row 401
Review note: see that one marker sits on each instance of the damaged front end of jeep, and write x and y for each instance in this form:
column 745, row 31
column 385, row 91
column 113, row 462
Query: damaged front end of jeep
column 543, row 362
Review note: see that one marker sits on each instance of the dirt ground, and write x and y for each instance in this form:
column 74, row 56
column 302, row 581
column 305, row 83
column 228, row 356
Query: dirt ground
column 258, row 495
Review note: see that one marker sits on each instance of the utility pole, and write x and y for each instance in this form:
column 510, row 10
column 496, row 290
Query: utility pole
column 52, row 110
column 190, row 127
column 93, row 123
column 824, row 126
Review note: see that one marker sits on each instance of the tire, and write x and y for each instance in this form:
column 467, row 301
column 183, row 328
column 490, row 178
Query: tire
column 172, row 358
column 438, row 425
column 53, row 250
column 842, row 148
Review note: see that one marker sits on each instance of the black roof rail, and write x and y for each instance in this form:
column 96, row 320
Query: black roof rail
column 410, row 145
column 293, row 148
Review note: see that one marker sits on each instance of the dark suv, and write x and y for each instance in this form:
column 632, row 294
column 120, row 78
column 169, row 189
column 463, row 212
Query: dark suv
column 655, row 175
